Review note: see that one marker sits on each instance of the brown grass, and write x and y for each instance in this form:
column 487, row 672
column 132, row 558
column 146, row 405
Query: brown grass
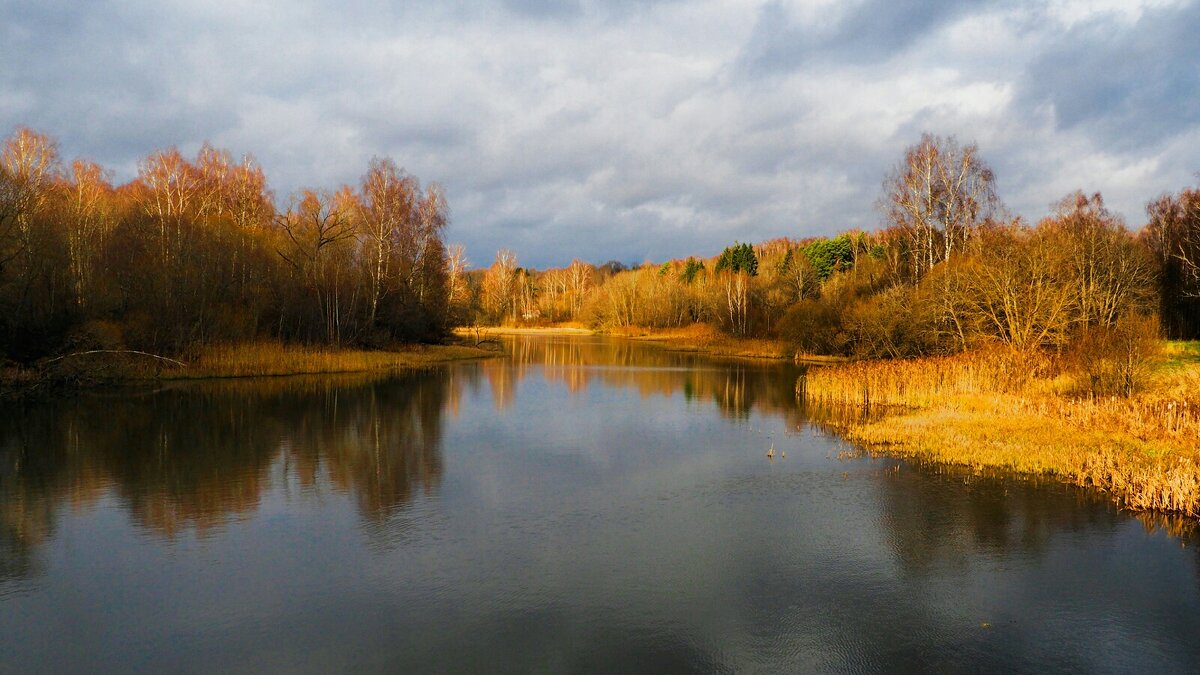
column 484, row 332
column 256, row 359
column 707, row 339
column 993, row 410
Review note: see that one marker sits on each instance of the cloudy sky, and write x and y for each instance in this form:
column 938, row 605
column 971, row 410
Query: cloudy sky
column 625, row 129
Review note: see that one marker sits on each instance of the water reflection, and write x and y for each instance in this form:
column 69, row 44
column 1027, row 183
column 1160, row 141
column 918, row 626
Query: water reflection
column 936, row 516
column 584, row 504
column 736, row 386
column 197, row 456
column 194, row 456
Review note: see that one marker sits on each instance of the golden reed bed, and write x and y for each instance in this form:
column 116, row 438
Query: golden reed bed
column 1024, row 414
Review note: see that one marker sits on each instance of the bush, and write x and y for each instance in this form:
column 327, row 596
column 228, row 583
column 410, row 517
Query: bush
column 1115, row 359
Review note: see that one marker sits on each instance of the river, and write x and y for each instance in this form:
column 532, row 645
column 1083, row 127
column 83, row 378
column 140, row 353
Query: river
column 585, row 504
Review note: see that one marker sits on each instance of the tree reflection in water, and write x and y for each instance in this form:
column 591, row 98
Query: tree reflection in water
column 193, row 457
column 735, row 386
column 196, row 456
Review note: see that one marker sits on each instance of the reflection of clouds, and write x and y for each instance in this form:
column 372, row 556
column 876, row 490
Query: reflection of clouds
column 635, row 527
column 193, row 457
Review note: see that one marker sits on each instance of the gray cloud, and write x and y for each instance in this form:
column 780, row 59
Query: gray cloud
column 1136, row 84
column 865, row 32
column 628, row 130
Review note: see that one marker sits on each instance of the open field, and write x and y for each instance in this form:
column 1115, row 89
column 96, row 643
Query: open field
column 990, row 411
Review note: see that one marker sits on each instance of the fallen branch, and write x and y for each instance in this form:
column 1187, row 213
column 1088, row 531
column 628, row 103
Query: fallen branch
column 115, row 351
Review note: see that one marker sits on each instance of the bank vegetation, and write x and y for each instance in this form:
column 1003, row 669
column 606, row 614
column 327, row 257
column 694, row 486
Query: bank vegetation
column 195, row 268
column 1033, row 345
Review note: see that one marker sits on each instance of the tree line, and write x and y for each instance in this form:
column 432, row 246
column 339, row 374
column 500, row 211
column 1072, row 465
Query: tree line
column 950, row 270
column 195, row 250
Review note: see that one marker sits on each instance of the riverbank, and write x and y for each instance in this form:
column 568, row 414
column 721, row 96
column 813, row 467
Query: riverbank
column 483, row 333
column 986, row 412
column 256, row 359
column 704, row 339
column 699, row 338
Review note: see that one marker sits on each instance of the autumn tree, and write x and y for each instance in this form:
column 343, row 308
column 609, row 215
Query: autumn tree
column 384, row 212
column 1173, row 237
column 579, row 281
column 458, row 292
column 1016, row 290
column 314, row 228
column 937, row 195
column 735, row 266
column 34, row 291
column 89, row 221
column 499, row 284
column 1110, row 273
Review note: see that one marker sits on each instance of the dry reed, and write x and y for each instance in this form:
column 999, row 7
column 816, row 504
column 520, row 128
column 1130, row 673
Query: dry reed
column 268, row 358
column 255, row 359
column 1018, row 413
column 703, row 338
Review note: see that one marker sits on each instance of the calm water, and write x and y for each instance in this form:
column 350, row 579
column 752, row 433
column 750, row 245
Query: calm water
column 583, row 505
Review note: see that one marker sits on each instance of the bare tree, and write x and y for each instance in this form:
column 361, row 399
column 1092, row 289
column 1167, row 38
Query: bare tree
column 456, row 269
column 88, row 224
column 1111, row 273
column 312, row 227
column 937, row 195
column 579, row 278
column 737, row 300
column 29, row 169
column 499, row 284
column 1015, row 292
column 384, row 219
column 1174, row 236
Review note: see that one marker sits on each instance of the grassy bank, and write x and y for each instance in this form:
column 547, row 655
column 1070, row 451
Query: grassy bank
column 700, row 338
column 257, row 359
column 482, row 333
column 706, row 339
column 1002, row 412
column 264, row 359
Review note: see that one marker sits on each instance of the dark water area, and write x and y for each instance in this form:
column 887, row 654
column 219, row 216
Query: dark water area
column 584, row 505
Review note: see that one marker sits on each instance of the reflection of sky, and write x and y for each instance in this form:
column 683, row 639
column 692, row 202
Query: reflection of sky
column 600, row 527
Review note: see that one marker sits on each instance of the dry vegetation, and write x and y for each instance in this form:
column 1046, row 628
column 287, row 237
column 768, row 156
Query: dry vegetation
column 709, row 340
column 1030, row 416
column 257, row 359
column 272, row 359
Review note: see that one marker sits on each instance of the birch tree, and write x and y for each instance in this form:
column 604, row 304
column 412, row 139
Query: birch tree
column 937, row 195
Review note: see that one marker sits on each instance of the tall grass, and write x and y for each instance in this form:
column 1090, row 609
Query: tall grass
column 700, row 337
column 919, row 383
column 254, row 359
column 1026, row 414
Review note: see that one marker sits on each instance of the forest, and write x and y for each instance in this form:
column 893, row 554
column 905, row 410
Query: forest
column 198, row 251
column 951, row 270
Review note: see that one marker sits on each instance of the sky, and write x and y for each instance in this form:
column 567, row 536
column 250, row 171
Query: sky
column 625, row 129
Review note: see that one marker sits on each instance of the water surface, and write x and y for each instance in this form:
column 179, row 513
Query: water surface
column 586, row 504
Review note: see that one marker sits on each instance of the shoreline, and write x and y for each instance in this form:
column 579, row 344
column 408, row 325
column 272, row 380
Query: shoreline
column 467, row 332
column 228, row 362
column 1142, row 451
column 697, row 338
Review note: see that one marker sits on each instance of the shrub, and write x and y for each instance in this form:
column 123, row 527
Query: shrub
column 1116, row 359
